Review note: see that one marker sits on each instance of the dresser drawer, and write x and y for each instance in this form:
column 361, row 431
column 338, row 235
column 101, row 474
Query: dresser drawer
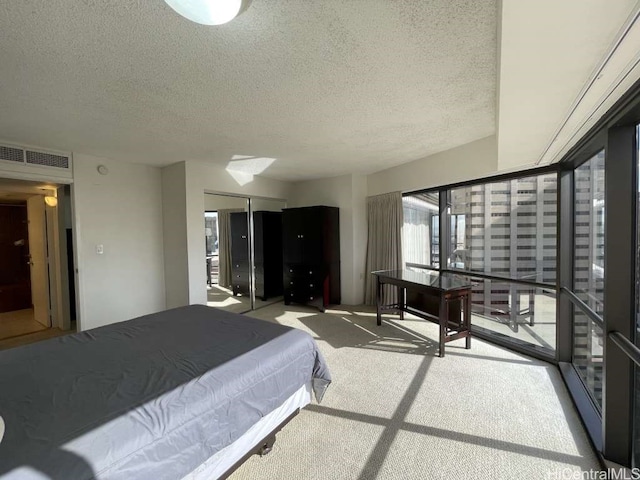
column 300, row 295
column 303, row 270
column 240, row 268
column 240, row 277
column 304, row 284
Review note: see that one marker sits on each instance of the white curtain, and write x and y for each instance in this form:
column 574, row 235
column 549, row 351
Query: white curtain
column 416, row 235
column 384, row 243
column 224, row 246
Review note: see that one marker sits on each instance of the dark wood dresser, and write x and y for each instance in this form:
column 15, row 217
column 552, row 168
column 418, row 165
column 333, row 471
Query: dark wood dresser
column 311, row 255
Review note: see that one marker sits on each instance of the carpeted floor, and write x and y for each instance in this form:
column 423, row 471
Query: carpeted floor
column 223, row 298
column 397, row 411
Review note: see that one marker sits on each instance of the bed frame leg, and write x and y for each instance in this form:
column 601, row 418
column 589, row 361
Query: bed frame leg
column 267, row 446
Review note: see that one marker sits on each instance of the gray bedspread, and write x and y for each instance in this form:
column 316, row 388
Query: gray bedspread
column 150, row 398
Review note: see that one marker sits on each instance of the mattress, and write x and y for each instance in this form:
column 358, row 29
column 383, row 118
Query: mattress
column 150, row 398
column 220, row 462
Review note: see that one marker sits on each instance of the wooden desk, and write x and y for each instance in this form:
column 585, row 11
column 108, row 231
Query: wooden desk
column 443, row 298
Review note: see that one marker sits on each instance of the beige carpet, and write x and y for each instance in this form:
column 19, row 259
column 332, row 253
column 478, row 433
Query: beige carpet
column 223, row 298
column 396, row 411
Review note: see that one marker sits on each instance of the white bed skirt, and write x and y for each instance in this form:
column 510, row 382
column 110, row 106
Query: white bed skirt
column 219, row 463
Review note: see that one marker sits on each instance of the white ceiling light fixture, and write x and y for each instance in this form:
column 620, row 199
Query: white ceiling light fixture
column 208, row 12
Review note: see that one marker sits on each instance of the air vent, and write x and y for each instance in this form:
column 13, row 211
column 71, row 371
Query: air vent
column 47, row 159
column 12, row 154
column 24, row 157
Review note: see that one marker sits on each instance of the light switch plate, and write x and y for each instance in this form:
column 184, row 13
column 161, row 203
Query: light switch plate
column 99, row 249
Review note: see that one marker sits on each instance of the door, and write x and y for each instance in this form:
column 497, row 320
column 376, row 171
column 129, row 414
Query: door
column 293, row 236
column 38, row 260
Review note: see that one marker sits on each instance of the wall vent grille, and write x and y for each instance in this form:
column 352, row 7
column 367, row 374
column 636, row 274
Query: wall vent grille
column 26, row 157
column 47, row 159
column 11, row 154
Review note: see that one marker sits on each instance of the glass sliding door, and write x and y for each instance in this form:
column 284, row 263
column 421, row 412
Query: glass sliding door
column 588, row 272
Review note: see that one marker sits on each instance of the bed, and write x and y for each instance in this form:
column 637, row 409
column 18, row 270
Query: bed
column 187, row 393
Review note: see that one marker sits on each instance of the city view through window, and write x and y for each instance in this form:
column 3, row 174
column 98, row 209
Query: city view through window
column 503, row 229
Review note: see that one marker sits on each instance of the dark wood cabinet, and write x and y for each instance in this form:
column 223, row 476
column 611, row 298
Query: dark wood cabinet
column 267, row 230
column 267, row 249
column 311, row 255
column 240, row 253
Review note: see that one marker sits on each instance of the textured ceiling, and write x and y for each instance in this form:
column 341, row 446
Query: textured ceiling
column 326, row 87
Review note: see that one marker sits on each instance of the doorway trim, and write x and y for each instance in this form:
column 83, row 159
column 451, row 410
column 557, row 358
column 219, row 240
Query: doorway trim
column 59, row 307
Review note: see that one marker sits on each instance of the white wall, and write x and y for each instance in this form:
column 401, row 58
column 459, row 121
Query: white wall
column 174, row 224
column 123, row 212
column 346, row 192
column 221, row 202
column 260, row 204
column 472, row 160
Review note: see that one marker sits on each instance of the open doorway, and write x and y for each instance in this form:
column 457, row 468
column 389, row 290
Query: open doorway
column 17, row 315
column 34, row 287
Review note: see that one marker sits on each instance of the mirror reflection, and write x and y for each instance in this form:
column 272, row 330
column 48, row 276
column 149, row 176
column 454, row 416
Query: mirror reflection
column 267, row 249
column 227, row 252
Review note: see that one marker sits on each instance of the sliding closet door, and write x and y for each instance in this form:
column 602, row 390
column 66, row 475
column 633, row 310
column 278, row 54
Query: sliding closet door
column 228, row 253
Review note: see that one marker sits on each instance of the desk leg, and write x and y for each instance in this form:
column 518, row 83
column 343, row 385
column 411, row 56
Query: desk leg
column 442, row 318
column 378, row 300
column 401, row 301
column 467, row 318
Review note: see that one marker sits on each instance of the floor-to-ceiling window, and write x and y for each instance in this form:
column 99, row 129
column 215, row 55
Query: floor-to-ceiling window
column 505, row 232
column 588, row 272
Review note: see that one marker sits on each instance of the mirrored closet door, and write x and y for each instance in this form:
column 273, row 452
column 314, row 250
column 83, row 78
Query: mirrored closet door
column 267, row 250
column 228, row 253
column 243, row 252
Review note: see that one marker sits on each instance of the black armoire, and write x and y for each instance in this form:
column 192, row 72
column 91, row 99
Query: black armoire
column 267, row 243
column 311, row 255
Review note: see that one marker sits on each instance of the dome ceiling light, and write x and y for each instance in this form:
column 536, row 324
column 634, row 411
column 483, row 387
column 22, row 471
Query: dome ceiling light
column 208, row 12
